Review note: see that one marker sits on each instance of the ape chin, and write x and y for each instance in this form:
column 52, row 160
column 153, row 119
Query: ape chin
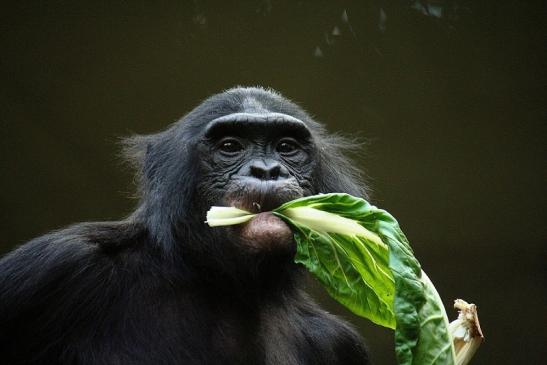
column 161, row 287
column 267, row 233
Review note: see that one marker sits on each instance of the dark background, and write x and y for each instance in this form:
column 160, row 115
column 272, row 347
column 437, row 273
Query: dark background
column 450, row 96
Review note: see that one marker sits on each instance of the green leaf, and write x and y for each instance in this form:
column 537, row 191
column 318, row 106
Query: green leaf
column 353, row 268
column 381, row 281
column 435, row 345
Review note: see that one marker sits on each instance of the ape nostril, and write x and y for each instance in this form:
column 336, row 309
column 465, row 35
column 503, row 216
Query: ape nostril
column 266, row 171
column 258, row 172
column 274, row 172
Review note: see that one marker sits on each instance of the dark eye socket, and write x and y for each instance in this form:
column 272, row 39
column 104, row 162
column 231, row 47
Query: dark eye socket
column 287, row 146
column 230, row 146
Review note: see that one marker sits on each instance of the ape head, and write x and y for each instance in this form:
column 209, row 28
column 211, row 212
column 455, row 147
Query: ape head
column 246, row 147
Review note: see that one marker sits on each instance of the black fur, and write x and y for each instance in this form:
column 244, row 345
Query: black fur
column 161, row 287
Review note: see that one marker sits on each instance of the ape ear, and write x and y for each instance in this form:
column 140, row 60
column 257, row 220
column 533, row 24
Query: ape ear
column 338, row 173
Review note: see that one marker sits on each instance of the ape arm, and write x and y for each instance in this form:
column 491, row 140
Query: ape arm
column 336, row 341
column 300, row 332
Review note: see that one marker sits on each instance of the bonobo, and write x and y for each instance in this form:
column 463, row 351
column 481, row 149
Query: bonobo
column 161, row 287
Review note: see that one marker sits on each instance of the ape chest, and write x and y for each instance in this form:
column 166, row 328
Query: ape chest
column 235, row 341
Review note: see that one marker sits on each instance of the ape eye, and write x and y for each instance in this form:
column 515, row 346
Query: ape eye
column 230, row 146
column 286, row 147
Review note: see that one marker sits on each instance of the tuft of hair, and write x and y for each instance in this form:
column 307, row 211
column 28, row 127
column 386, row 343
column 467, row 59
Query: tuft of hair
column 134, row 150
column 341, row 172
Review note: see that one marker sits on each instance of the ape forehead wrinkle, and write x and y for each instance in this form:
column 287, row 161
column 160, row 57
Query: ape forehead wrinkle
column 268, row 120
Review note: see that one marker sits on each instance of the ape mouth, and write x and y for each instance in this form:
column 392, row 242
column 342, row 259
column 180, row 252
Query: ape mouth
column 265, row 232
column 262, row 195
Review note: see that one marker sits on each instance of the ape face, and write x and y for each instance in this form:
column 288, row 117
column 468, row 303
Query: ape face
column 256, row 162
column 246, row 147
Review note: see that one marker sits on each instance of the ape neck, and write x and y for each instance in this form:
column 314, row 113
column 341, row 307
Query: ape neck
column 196, row 263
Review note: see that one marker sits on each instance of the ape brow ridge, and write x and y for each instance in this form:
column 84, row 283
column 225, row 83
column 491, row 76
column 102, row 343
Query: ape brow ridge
column 271, row 119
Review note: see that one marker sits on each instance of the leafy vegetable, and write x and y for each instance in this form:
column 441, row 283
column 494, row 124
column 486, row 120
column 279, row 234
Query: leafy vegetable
column 344, row 252
column 375, row 274
column 363, row 259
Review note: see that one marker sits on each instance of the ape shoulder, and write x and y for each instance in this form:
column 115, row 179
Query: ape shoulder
column 64, row 263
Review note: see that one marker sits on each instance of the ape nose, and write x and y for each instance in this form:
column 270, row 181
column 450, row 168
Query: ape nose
column 268, row 170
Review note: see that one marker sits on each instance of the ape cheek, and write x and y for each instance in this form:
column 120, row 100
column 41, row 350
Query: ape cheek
column 266, row 233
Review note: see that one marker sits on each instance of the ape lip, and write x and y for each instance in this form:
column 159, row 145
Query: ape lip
column 262, row 197
column 258, row 205
column 255, row 207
